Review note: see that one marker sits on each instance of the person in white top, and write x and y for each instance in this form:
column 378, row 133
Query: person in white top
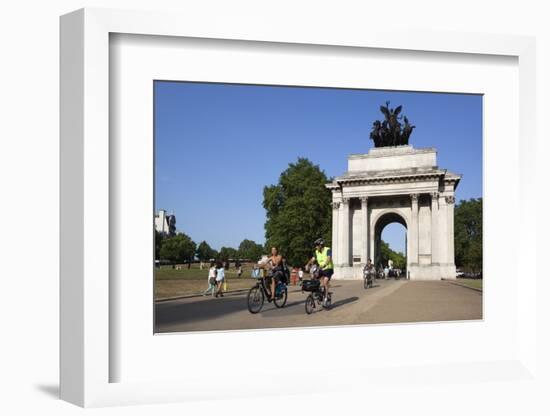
column 220, row 277
column 211, row 280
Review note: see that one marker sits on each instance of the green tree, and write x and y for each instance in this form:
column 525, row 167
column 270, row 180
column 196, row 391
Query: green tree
column 215, row 254
column 205, row 252
column 298, row 211
column 469, row 235
column 386, row 253
column 158, row 244
column 250, row 250
column 399, row 260
column 179, row 248
column 227, row 253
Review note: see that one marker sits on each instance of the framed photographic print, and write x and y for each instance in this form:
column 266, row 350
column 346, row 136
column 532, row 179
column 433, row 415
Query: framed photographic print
column 225, row 194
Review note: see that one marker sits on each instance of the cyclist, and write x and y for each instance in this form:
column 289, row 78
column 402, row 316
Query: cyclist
column 369, row 269
column 277, row 269
column 323, row 257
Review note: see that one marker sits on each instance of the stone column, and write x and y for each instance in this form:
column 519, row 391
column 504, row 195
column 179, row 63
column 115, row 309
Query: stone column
column 434, row 228
column 372, row 242
column 442, row 229
column 335, row 225
column 344, row 232
column 450, row 200
column 414, row 230
column 364, row 230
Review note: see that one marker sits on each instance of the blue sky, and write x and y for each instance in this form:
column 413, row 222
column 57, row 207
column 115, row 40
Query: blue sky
column 218, row 145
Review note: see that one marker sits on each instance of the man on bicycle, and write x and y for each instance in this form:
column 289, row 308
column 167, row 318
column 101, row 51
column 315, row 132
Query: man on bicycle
column 277, row 273
column 369, row 272
column 323, row 257
column 369, row 267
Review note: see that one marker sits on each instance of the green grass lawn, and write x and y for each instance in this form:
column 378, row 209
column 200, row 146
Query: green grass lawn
column 171, row 282
column 195, row 273
column 475, row 283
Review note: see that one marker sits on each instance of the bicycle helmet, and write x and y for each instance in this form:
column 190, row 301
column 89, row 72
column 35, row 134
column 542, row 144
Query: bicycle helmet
column 319, row 242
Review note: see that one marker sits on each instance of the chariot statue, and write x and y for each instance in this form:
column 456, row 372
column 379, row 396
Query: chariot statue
column 390, row 131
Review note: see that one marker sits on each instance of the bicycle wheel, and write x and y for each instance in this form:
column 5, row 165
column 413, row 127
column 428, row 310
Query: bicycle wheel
column 366, row 283
column 310, row 304
column 255, row 299
column 280, row 300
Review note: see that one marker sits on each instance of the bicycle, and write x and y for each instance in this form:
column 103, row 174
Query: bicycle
column 257, row 294
column 368, row 278
column 317, row 294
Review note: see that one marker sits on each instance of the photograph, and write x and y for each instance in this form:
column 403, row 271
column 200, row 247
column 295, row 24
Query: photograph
column 295, row 207
column 219, row 206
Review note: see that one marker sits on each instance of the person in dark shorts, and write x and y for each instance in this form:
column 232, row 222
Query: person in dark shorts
column 275, row 263
column 323, row 257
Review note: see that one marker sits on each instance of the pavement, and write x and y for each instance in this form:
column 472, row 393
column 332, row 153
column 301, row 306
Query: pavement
column 389, row 301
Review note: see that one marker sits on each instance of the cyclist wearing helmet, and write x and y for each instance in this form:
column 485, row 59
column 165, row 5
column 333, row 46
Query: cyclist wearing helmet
column 323, row 257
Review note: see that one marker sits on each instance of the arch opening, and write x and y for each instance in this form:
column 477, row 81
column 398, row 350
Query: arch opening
column 390, row 253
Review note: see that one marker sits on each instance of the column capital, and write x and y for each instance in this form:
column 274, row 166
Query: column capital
column 335, row 205
column 414, row 197
column 345, row 200
column 435, row 195
column 450, row 199
column 364, row 199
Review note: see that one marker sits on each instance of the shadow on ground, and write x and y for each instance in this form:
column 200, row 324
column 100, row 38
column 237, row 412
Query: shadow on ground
column 51, row 390
column 343, row 302
column 200, row 309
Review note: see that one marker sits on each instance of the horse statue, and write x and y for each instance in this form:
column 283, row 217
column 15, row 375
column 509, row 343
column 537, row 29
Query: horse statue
column 390, row 131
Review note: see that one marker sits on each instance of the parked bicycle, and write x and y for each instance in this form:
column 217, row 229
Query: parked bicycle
column 260, row 291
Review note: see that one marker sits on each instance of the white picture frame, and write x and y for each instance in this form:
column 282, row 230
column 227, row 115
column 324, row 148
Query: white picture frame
column 87, row 356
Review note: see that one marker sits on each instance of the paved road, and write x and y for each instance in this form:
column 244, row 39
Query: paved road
column 389, row 301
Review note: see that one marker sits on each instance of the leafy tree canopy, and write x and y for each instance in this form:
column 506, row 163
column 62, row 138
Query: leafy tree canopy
column 386, row 253
column 248, row 249
column 179, row 248
column 158, row 244
column 205, row 252
column 298, row 211
column 227, row 253
column 469, row 234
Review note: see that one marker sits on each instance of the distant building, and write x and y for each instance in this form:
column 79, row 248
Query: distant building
column 165, row 223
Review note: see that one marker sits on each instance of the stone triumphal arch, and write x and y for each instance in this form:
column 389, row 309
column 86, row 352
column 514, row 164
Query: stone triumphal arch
column 394, row 184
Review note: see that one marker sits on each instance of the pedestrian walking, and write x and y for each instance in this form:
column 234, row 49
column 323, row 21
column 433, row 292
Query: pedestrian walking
column 220, row 278
column 211, row 280
column 294, row 276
